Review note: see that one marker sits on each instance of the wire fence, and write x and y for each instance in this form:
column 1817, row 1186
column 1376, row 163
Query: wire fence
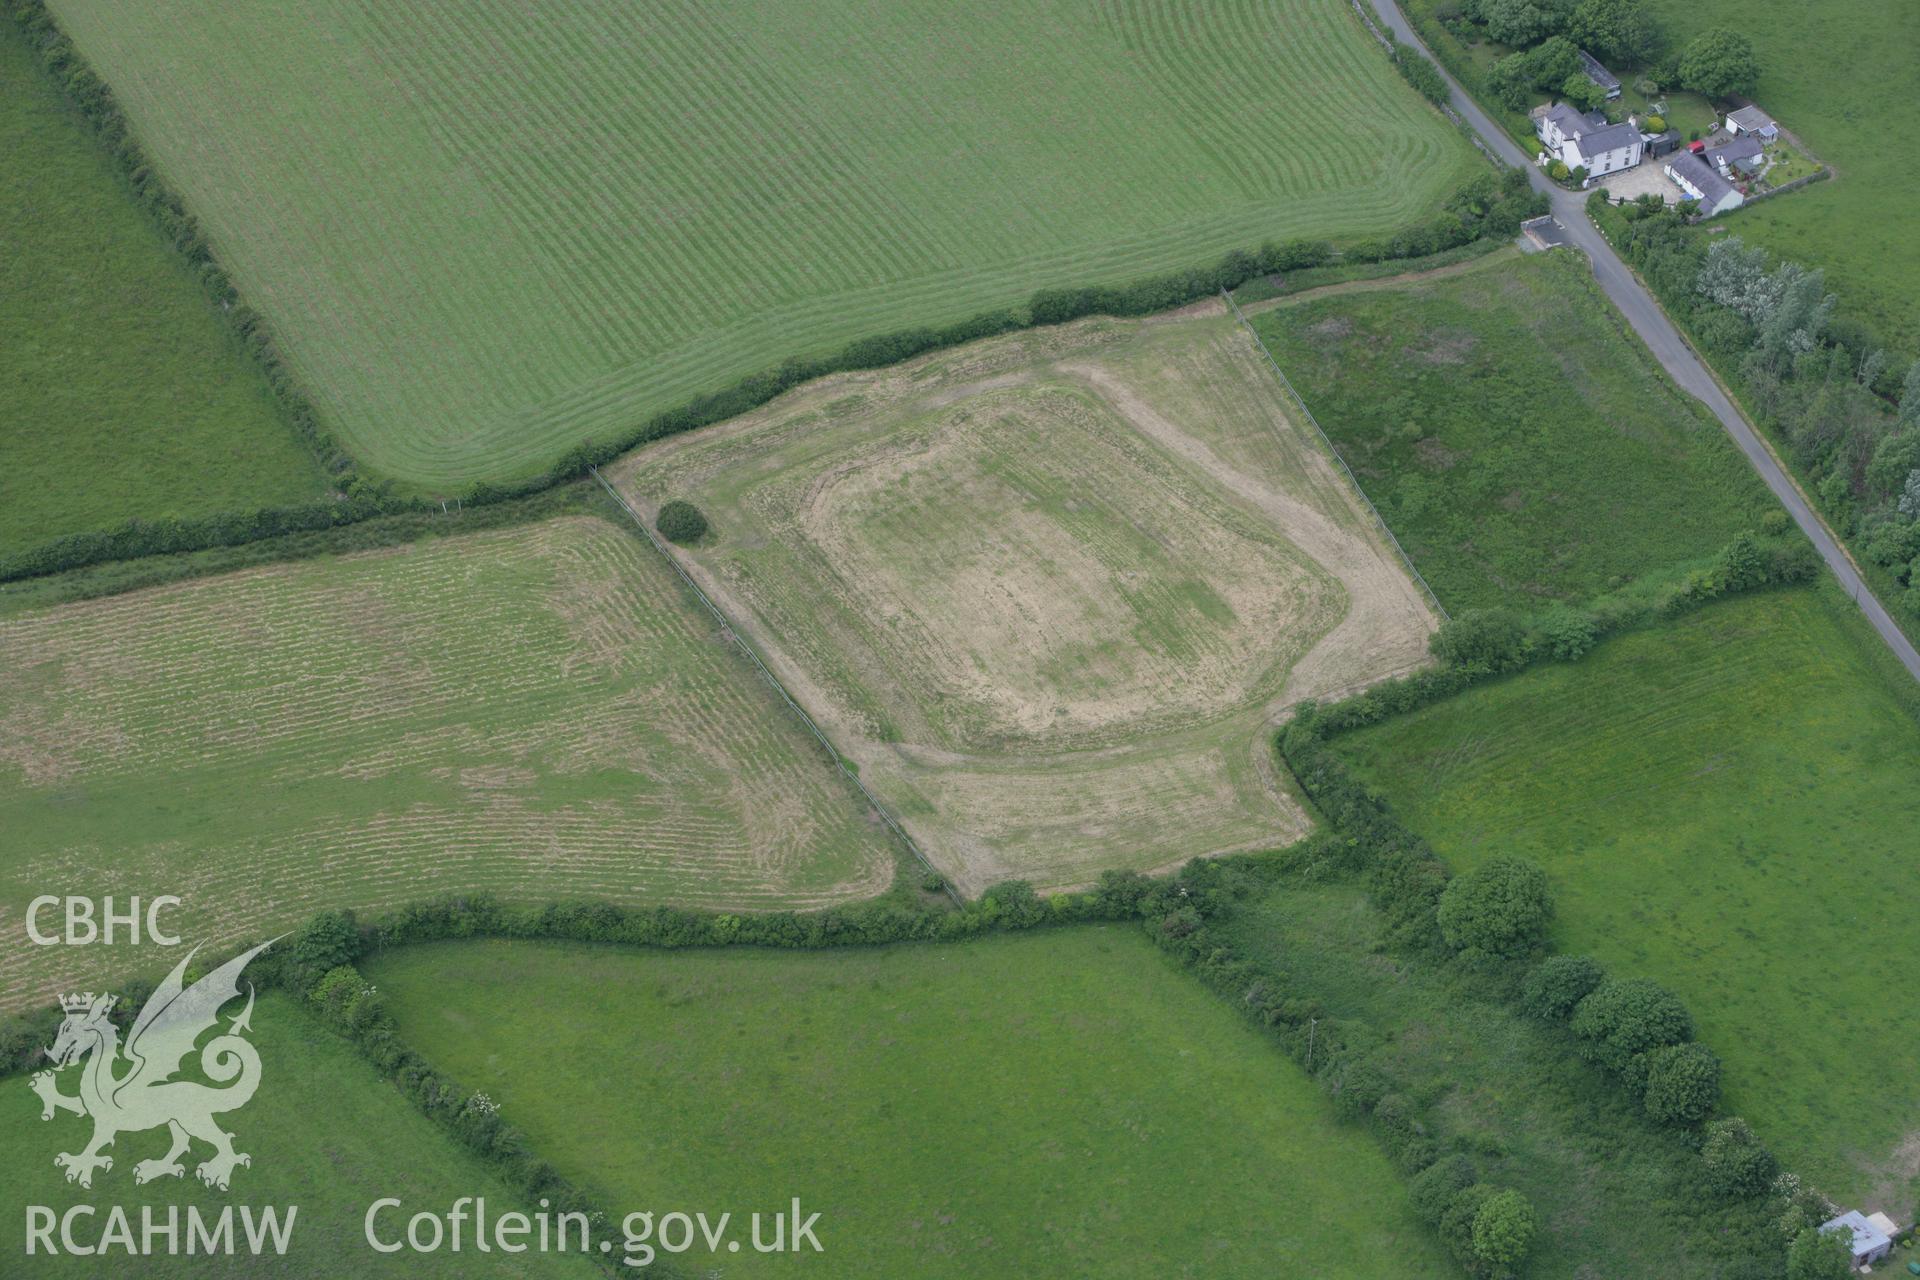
column 732, row 633
column 1327, row 440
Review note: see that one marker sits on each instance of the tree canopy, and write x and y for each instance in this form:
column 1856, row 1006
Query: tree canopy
column 1500, row 908
column 1719, row 63
column 1617, row 31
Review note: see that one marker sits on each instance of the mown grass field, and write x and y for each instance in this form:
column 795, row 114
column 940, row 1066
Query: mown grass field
column 1522, row 447
column 538, row 711
column 1615, row 1194
column 1726, row 805
column 1063, row 1103
column 1048, row 589
column 1827, row 73
column 326, row 1133
column 485, row 234
column 122, row 394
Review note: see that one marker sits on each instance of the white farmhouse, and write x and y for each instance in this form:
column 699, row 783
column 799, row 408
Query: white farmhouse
column 1588, row 141
column 1699, row 180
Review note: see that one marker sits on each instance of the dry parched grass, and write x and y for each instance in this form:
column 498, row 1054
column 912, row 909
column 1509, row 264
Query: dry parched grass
column 1048, row 589
column 535, row 711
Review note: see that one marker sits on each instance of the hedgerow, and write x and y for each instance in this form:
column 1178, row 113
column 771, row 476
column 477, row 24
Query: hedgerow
column 1845, row 408
column 1636, row 1031
column 96, row 102
column 1420, row 72
column 1483, row 208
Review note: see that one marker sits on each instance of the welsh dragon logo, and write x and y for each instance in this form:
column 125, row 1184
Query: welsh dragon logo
column 132, row 1088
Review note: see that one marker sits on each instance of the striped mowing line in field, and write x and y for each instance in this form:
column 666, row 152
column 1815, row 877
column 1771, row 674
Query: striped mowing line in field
column 484, row 234
column 537, row 711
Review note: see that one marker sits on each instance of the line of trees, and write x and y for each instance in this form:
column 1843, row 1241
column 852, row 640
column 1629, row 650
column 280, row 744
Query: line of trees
column 1547, row 35
column 1846, row 408
column 1492, row 920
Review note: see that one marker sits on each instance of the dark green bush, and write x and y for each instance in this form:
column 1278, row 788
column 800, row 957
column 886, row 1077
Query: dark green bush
column 681, row 522
column 1500, row 908
column 1683, row 1083
column 1558, row 984
column 1490, row 640
column 1504, row 1228
column 1434, row 1188
column 1566, row 633
column 1456, row 1220
column 1734, row 1163
column 1421, row 74
column 1625, row 1019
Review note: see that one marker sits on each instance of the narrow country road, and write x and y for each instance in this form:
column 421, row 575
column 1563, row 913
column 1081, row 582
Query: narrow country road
column 1679, row 360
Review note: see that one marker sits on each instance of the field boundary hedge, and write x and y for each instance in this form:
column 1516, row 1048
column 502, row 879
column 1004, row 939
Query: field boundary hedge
column 365, row 497
column 1613, row 225
column 385, row 529
column 95, row 101
column 316, row 964
column 1407, row 878
column 732, row 631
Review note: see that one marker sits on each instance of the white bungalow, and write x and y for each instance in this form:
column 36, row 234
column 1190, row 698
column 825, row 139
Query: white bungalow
column 1697, row 178
column 1870, row 1243
column 1753, row 120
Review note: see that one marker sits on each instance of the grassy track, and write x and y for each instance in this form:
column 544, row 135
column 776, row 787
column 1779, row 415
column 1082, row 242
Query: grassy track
column 122, row 394
column 537, row 711
column 1520, row 445
column 1048, row 588
column 326, row 1134
column 486, row 234
column 1728, row 806
column 1827, row 72
column 1064, row 1103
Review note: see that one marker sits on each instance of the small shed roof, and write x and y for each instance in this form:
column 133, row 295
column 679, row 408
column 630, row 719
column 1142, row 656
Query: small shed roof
column 1867, row 1238
column 1751, row 118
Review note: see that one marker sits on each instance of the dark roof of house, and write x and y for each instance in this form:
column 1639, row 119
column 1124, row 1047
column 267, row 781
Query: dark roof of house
column 1597, row 73
column 1750, row 118
column 1571, row 122
column 1701, row 176
column 1611, row 138
column 1741, row 149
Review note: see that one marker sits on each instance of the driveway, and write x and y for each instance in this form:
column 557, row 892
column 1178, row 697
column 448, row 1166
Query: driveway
column 1668, row 347
column 1644, row 179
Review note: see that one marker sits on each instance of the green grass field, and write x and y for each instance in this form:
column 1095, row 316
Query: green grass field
column 538, row 711
column 1614, row 1193
column 1050, row 588
column 1063, row 1103
column 484, row 235
column 1827, row 73
column 1522, row 447
column 1726, row 805
column 326, row 1134
column 124, row 394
